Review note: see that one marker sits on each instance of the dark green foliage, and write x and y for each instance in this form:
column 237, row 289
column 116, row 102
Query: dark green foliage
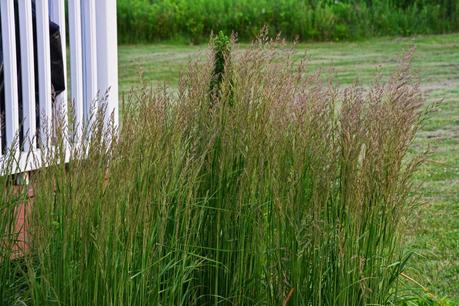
column 195, row 20
column 222, row 53
column 426, row 299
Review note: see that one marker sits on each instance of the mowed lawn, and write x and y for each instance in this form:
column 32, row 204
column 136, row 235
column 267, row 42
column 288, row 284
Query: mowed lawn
column 433, row 228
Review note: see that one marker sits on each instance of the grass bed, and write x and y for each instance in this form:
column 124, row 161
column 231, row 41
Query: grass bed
column 280, row 188
column 432, row 231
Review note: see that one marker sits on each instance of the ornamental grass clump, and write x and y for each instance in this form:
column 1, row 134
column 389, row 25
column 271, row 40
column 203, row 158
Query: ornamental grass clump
column 285, row 190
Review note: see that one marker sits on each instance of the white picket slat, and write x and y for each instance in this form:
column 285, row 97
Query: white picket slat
column 76, row 65
column 28, row 74
column 107, row 57
column 10, row 73
column 44, row 71
column 90, row 57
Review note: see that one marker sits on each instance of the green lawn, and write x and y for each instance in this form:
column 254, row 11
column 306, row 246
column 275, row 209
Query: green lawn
column 433, row 231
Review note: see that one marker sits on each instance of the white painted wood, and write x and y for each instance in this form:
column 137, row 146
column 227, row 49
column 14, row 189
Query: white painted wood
column 90, row 57
column 44, row 71
column 57, row 15
column 35, row 159
column 94, row 69
column 10, row 73
column 107, row 57
column 76, row 65
column 28, row 74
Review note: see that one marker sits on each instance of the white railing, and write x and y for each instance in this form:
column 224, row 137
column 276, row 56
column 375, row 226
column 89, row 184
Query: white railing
column 93, row 71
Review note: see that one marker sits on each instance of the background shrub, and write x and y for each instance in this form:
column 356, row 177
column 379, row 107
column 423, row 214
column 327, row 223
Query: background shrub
column 195, row 20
